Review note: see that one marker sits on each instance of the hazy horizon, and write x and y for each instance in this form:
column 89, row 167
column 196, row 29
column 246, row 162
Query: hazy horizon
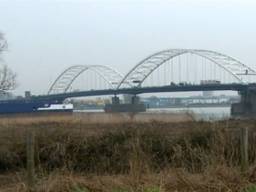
column 46, row 37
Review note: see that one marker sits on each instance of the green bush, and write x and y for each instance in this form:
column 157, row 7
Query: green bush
column 250, row 189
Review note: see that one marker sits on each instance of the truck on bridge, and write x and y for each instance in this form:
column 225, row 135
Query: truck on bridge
column 210, row 82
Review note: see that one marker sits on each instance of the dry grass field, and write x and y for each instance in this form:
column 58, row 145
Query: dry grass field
column 74, row 155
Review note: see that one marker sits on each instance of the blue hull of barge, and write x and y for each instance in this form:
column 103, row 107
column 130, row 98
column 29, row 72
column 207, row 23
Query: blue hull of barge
column 23, row 106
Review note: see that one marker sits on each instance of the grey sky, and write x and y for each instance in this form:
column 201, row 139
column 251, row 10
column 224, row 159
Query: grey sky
column 45, row 37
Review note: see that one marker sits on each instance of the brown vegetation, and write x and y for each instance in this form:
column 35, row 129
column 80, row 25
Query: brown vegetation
column 72, row 155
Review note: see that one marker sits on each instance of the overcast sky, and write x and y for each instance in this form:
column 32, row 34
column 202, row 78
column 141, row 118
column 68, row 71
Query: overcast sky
column 47, row 36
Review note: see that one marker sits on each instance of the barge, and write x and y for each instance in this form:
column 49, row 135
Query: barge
column 14, row 106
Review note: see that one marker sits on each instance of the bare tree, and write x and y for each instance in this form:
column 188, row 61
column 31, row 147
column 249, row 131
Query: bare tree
column 3, row 43
column 7, row 79
column 7, row 76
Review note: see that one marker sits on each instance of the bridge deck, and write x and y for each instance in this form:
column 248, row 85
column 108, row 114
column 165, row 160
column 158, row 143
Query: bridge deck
column 141, row 90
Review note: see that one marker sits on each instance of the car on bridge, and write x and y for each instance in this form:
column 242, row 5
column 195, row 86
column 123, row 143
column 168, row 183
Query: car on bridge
column 172, row 84
column 183, row 83
column 136, row 81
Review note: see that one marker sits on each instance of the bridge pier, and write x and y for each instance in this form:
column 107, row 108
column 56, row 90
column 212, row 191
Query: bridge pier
column 247, row 106
column 115, row 100
column 134, row 106
column 135, row 100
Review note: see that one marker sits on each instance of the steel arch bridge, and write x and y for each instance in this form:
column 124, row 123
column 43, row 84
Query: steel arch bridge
column 66, row 78
column 138, row 74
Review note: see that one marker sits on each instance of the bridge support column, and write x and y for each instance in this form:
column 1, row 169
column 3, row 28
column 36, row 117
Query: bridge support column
column 135, row 100
column 247, row 106
column 115, row 100
column 133, row 106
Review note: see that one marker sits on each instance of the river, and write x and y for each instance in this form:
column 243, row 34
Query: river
column 200, row 113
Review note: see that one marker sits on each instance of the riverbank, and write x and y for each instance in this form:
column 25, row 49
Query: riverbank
column 100, row 117
column 77, row 156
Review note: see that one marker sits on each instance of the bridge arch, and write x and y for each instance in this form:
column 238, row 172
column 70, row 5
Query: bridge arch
column 67, row 77
column 138, row 74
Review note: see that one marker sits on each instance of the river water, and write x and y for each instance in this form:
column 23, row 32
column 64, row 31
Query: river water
column 199, row 113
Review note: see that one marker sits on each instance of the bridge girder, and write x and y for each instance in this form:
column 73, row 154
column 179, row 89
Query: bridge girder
column 137, row 75
column 65, row 79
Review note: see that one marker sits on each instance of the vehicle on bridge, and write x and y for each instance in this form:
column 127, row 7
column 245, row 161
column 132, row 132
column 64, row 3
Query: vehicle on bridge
column 172, row 84
column 210, row 82
column 183, row 83
column 136, row 81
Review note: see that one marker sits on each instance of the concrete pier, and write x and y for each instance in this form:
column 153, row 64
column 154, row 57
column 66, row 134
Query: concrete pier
column 134, row 107
column 247, row 106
